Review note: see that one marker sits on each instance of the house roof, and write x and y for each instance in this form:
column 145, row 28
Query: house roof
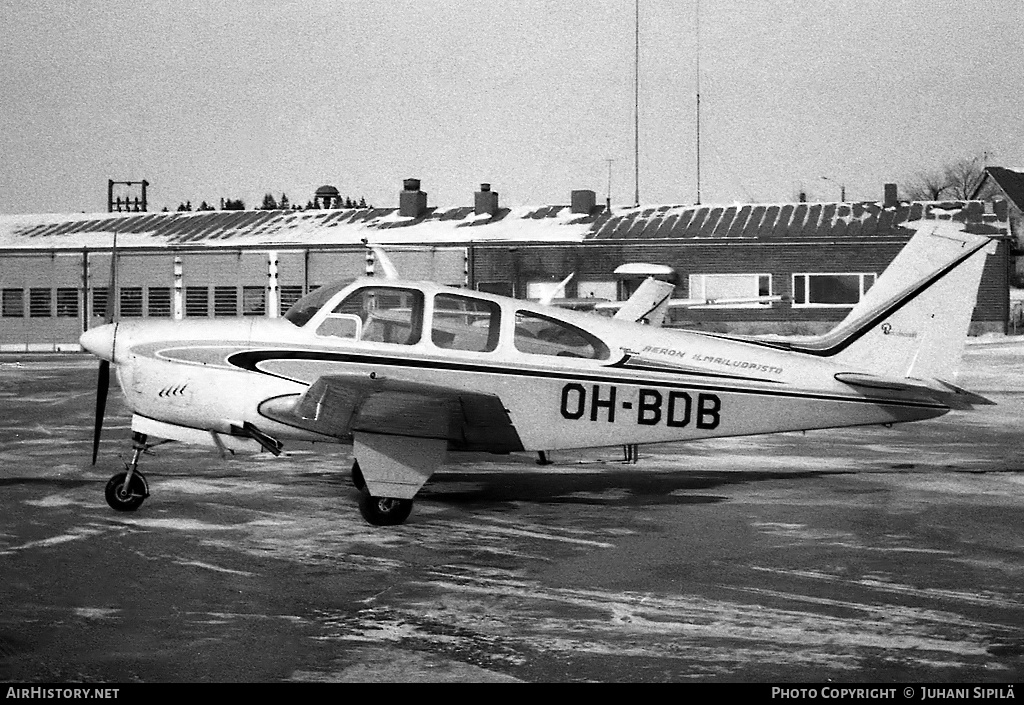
column 282, row 228
column 1009, row 181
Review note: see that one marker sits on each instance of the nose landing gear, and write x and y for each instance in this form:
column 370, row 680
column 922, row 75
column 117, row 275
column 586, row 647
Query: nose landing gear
column 126, row 491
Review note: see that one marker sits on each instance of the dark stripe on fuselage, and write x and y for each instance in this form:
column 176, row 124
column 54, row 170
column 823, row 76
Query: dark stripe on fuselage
column 251, row 359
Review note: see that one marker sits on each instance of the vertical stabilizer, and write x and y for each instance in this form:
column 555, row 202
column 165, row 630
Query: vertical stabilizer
column 648, row 304
column 914, row 320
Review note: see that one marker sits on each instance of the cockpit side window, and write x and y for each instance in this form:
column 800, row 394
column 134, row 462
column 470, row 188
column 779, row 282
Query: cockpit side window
column 380, row 314
column 465, row 323
column 306, row 307
column 540, row 335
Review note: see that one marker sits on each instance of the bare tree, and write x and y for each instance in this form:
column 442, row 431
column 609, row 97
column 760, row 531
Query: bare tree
column 955, row 181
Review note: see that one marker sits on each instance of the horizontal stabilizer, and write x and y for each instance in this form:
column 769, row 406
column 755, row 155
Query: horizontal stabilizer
column 938, row 390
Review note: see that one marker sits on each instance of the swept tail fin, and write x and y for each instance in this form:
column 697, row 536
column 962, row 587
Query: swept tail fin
column 913, row 322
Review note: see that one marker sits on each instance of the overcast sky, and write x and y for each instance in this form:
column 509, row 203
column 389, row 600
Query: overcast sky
column 235, row 99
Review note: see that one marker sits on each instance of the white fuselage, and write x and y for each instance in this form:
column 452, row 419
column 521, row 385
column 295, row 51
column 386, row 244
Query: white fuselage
column 654, row 385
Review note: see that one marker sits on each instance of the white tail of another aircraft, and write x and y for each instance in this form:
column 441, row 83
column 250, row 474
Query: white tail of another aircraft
column 648, row 304
column 913, row 322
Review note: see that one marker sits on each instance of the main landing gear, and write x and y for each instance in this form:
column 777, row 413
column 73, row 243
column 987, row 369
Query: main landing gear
column 379, row 511
column 126, row 491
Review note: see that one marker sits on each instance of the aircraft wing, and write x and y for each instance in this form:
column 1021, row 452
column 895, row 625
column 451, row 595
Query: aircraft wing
column 343, row 405
column 949, row 394
column 601, row 305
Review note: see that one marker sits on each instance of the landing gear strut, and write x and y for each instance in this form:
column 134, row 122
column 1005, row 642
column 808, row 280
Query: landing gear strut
column 126, row 491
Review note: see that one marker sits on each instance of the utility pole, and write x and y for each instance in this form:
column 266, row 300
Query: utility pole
column 636, row 107
column 698, row 102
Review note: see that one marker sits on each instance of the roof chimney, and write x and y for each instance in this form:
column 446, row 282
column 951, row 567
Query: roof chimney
column 891, row 198
column 412, row 202
column 485, row 200
column 583, row 201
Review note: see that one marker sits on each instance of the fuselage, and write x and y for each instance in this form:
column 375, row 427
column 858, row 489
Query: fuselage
column 566, row 379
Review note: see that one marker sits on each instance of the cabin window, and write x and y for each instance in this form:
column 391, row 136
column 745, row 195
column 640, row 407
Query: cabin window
column 309, row 305
column 158, row 302
column 539, row 335
column 831, row 290
column 465, row 323
column 731, row 290
column 13, row 303
column 379, row 314
column 197, row 301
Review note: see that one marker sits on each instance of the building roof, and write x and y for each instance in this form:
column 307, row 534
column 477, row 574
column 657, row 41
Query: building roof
column 1009, row 181
column 435, row 226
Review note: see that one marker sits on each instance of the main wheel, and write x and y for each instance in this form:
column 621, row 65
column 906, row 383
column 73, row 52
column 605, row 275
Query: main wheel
column 384, row 511
column 126, row 499
column 357, row 476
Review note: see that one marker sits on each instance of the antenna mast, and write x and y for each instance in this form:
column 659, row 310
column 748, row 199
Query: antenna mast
column 636, row 107
column 698, row 102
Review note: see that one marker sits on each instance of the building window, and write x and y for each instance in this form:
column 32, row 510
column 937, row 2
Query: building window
column 197, row 301
column 540, row 335
column 464, row 323
column 254, row 300
column 289, row 295
column 99, row 303
column 67, row 302
column 13, row 303
column 131, row 301
column 731, row 290
column 597, row 289
column 40, row 303
column 835, row 290
column 499, row 288
column 158, row 302
column 225, row 301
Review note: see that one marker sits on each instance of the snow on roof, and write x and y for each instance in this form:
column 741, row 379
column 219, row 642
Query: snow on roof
column 350, row 227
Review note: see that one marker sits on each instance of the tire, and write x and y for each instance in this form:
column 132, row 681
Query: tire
column 136, row 495
column 384, row 511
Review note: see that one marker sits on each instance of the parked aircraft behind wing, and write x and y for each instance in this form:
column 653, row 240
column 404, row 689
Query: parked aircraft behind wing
column 408, row 372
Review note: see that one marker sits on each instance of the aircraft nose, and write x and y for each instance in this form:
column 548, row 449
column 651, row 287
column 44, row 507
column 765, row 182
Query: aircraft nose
column 100, row 341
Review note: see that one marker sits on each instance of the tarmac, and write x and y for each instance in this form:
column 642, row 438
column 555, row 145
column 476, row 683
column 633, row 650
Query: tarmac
column 872, row 555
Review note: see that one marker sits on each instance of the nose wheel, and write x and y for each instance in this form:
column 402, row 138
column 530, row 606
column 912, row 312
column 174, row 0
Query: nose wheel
column 126, row 491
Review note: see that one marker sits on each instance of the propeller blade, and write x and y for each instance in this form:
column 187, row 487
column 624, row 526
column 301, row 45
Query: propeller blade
column 102, row 387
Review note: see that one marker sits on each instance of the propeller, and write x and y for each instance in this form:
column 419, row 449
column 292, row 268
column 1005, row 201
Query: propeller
column 102, row 388
column 103, row 381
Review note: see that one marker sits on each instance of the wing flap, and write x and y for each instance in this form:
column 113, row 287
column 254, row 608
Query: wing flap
column 340, row 405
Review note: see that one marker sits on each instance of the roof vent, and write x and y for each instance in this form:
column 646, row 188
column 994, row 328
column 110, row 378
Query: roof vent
column 485, row 200
column 412, row 202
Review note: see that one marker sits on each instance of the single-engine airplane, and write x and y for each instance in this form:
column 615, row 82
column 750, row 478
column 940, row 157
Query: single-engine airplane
column 408, row 372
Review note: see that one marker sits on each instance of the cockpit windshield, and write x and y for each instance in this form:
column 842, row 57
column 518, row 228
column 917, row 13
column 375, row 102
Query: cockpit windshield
column 304, row 309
